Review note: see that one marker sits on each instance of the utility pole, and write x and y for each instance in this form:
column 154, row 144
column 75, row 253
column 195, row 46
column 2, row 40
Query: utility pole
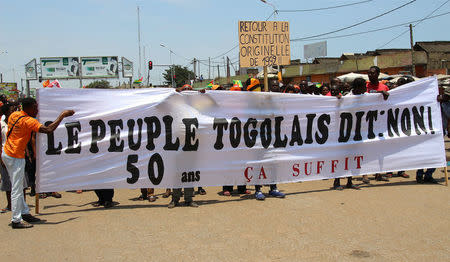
column 173, row 71
column 218, row 72
column 228, row 71
column 81, row 74
column 145, row 61
column 148, row 78
column 139, row 41
column 209, row 67
column 1, row 77
column 195, row 69
column 199, row 72
column 412, row 50
column 224, row 64
column 28, row 88
column 239, row 64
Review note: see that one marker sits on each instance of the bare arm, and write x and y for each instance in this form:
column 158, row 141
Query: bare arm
column 385, row 94
column 33, row 144
column 50, row 128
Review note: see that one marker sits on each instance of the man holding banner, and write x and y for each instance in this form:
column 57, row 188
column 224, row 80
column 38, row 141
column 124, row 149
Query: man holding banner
column 20, row 125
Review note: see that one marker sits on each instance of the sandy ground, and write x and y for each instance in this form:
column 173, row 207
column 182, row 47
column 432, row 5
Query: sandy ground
column 398, row 220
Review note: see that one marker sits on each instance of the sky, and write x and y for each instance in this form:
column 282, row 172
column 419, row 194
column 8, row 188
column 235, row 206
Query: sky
column 199, row 29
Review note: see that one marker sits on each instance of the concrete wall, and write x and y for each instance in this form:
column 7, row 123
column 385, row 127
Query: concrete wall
column 391, row 63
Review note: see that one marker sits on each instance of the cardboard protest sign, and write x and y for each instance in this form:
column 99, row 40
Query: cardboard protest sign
column 264, row 43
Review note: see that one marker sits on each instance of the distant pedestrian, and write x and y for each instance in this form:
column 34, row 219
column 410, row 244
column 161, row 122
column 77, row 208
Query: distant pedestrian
column 375, row 86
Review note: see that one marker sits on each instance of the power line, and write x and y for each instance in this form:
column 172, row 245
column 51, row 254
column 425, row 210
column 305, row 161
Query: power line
column 300, row 10
column 432, row 12
column 323, row 8
column 420, row 21
column 234, row 47
column 314, row 37
column 187, row 59
column 428, row 17
column 379, row 29
column 203, row 61
column 390, row 41
column 350, row 26
column 271, row 15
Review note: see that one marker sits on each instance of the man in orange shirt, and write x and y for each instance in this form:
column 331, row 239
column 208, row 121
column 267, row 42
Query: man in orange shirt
column 20, row 126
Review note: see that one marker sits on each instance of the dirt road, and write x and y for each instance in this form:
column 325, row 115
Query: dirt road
column 398, row 220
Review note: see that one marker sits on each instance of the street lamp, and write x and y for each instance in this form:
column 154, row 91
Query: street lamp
column 171, row 67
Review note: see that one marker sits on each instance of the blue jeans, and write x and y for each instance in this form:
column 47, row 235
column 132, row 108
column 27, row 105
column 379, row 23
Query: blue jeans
column 272, row 187
column 16, row 169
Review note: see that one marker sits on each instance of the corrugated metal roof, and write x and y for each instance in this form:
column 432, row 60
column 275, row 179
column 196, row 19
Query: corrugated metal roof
column 347, row 56
column 326, row 60
column 435, row 46
column 359, row 63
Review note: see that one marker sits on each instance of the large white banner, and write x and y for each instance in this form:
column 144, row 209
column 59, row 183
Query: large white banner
column 160, row 138
column 60, row 67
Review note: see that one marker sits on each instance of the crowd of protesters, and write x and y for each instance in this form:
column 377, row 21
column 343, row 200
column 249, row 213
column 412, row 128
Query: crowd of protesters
column 19, row 128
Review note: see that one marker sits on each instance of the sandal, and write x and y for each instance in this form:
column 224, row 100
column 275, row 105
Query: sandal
column 338, row 188
column 365, row 180
column 43, row 195
column 226, row 193
column 167, row 193
column 379, row 177
column 403, row 174
column 202, row 192
column 152, row 198
column 352, row 186
column 97, row 204
column 56, row 195
column 142, row 198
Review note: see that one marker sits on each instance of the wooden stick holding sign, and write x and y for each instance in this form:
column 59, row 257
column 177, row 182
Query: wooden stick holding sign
column 446, row 176
column 266, row 80
column 36, row 204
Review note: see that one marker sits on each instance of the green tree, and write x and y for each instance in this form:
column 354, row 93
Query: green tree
column 99, row 84
column 181, row 75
